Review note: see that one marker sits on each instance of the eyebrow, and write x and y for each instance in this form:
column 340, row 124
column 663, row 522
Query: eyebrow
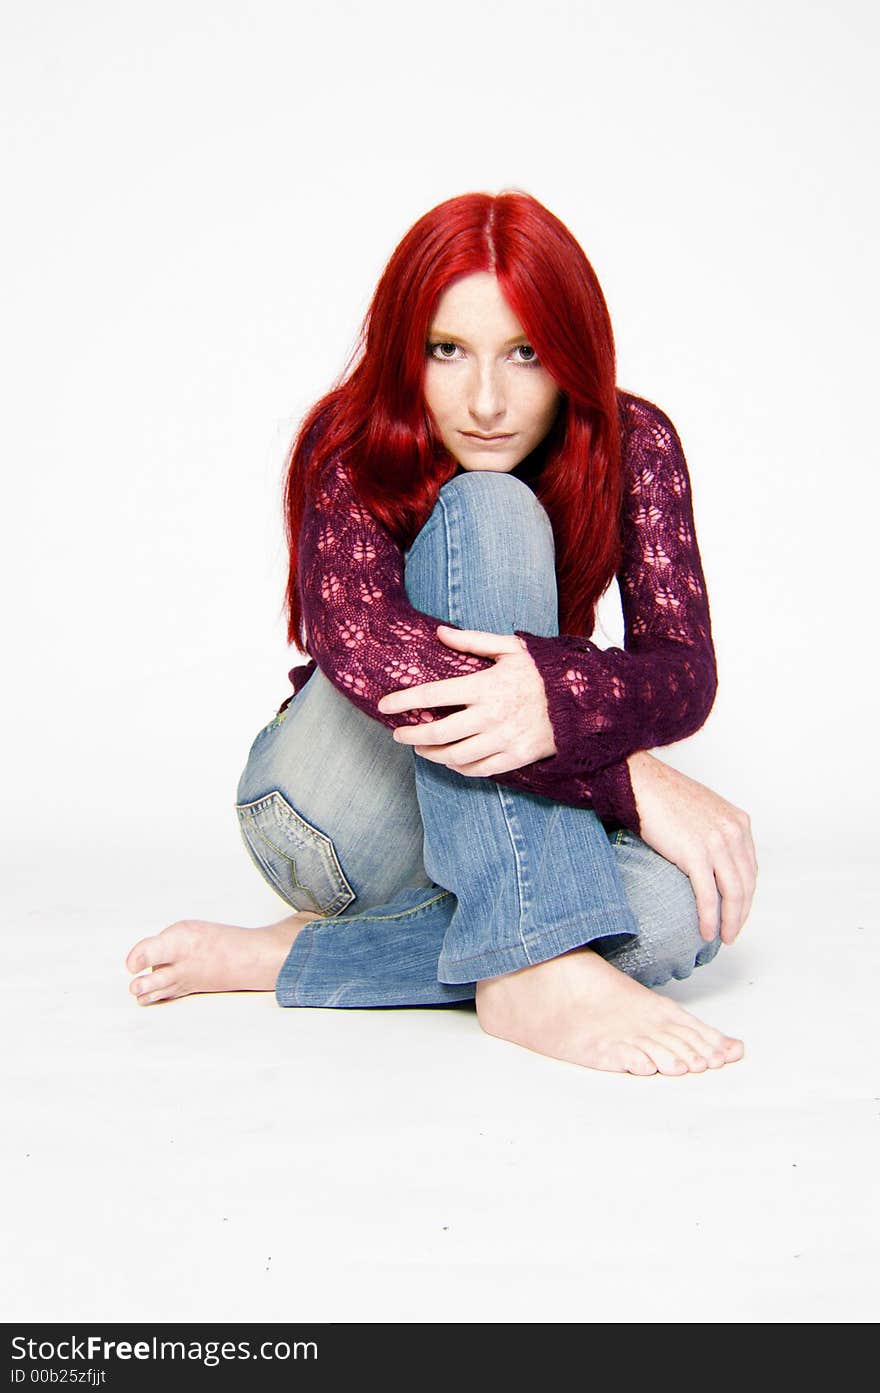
column 453, row 338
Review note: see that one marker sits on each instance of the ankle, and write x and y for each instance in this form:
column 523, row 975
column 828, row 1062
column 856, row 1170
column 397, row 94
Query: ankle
column 287, row 930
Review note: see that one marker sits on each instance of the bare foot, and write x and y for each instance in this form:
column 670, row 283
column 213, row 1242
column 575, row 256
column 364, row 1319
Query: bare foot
column 580, row 1008
column 196, row 956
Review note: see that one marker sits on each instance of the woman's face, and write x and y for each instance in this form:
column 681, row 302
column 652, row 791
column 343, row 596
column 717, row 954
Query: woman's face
column 483, row 378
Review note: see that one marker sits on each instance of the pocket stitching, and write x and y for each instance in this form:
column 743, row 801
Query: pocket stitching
column 276, row 799
column 267, row 870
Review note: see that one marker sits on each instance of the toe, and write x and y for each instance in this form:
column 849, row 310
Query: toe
column 728, row 1045
column 136, row 962
column 151, row 952
column 718, row 1048
column 150, row 998
column 154, row 986
column 666, row 1060
column 637, row 1062
column 713, row 1056
column 682, row 1048
column 139, row 959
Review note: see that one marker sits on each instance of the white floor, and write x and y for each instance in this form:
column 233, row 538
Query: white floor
column 222, row 1159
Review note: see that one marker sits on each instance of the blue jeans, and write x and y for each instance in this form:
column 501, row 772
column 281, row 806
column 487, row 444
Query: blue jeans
column 428, row 881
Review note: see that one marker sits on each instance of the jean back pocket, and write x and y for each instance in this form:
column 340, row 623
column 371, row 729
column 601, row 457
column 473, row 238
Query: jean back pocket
column 298, row 859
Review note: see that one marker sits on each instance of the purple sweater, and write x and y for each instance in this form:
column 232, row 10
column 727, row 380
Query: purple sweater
column 603, row 704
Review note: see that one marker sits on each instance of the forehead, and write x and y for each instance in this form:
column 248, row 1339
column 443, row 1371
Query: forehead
column 475, row 306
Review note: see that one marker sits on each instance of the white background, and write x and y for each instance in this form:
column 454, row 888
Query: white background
column 199, row 199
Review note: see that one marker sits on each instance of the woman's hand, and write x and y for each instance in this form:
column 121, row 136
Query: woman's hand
column 704, row 835
column 505, row 724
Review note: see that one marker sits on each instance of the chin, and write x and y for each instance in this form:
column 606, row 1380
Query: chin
column 488, row 468
column 486, row 465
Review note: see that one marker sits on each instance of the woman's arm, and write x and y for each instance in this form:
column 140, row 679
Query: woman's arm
column 707, row 837
column 604, row 704
column 361, row 629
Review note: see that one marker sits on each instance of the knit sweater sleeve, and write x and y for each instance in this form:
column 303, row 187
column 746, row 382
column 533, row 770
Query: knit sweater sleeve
column 605, row 704
column 361, row 630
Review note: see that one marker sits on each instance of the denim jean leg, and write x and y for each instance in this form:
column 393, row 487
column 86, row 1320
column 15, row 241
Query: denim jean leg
column 670, row 944
column 385, row 956
column 532, row 878
column 328, row 812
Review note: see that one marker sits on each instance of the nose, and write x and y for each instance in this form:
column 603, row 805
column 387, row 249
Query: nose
column 486, row 402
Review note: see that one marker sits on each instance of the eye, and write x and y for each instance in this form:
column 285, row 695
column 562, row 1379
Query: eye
column 526, row 348
column 443, row 356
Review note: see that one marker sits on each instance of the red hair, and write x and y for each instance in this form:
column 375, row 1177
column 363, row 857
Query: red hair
column 376, row 414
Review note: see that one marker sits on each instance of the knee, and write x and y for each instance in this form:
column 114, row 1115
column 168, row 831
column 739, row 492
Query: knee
column 679, row 946
column 669, row 943
column 496, row 493
column 499, row 519
column 485, row 558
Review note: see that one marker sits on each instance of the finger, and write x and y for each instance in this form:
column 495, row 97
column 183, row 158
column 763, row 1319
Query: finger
column 706, row 896
column 446, row 731
column 748, row 875
column 748, row 872
column 728, row 881
column 487, row 768
column 747, row 905
column 479, row 640
column 450, row 691
column 464, row 753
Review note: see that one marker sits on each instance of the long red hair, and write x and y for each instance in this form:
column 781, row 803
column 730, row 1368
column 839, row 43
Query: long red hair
column 376, row 414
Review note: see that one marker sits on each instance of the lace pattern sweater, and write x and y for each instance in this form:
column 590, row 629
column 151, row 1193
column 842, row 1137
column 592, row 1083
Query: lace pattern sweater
column 603, row 704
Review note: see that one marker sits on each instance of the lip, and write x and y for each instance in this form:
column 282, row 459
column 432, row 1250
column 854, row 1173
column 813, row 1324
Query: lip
column 485, row 439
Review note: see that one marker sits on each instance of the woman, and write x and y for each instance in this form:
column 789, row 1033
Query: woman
column 468, row 810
